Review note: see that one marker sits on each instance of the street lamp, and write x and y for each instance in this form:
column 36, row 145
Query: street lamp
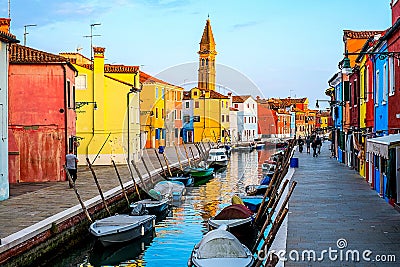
column 26, row 33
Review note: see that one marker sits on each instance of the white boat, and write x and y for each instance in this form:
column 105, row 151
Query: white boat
column 171, row 189
column 217, row 157
column 154, row 207
column 220, row 248
column 268, row 166
column 121, row 228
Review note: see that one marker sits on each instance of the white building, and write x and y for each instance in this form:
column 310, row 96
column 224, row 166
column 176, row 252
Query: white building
column 247, row 119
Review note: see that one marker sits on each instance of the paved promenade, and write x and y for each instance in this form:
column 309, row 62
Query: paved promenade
column 31, row 203
column 332, row 202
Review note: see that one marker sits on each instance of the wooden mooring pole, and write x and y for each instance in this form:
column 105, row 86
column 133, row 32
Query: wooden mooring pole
column 120, row 182
column 133, row 179
column 77, row 194
column 147, row 170
column 159, row 160
column 179, row 158
column 98, row 186
column 187, row 155
column 191, row 151
column 166, row 163
column 139, row 174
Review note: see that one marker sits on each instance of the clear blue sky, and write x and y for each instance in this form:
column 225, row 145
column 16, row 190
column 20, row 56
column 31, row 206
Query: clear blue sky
column 284, row 47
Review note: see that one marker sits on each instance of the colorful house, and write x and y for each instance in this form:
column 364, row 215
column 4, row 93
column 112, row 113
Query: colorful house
column 5, row 39
column 267, row 119
column 41, row 114
column 107, row 105
column 187, row 132
column 247, row 117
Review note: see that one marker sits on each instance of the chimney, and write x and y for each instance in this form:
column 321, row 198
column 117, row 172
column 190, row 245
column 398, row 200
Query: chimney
column 98, row 85
column 5, row 24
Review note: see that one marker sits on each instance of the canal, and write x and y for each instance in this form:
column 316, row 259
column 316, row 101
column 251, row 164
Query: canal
column 174, row 237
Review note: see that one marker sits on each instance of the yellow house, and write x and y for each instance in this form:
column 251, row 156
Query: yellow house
column 363, row 108
column 210, row 115
column 324, row 119
column 104, row 95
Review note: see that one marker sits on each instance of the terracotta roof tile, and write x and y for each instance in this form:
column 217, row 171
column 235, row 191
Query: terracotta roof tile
column 237, row 99
column 359, row 34
column 24, row 54
column 7, row 37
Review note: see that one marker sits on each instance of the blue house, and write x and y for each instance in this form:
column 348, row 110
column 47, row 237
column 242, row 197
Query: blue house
column 187, row 131
column 5, row 39
column 381, row 89
column 338, row 136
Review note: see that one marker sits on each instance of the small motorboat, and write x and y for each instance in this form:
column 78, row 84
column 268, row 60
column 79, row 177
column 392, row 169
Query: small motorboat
column 122, row 228
column 255, row 190
column 198, row 172
column 171, row 189
column 253, row 203
column 220, row 248
column 238, row 220
column 187, row 180
column 156, row 205
column 217, row 158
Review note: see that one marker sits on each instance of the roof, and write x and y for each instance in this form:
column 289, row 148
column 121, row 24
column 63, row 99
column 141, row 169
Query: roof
column 24, row 54
column 278, row 103
column 115, row 68
column 215, row 95
column 207, row 42
column 7, row 37
column 146, row 78
column 359, row 34
column 233, row 109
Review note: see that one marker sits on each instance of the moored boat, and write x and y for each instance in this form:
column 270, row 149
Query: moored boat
column 121, row 228
column 217, row 158
column 220, row 248
column 154, row 207
column 199, row 171
column 171, row 189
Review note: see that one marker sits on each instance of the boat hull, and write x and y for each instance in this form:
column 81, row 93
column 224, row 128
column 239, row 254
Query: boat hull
column 154, row 207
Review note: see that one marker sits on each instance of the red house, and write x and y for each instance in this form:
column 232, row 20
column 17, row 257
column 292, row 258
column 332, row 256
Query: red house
column 41, row 114
column 267, row 119
column 354, row 98
column 394, row 71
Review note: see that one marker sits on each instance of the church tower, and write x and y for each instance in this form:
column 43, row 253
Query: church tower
column 206, row 77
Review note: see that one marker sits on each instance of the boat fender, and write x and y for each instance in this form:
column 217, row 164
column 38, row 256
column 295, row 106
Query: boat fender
column 223, row 227
column 142, row 230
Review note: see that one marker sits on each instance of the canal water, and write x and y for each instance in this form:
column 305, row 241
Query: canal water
column 174, row 237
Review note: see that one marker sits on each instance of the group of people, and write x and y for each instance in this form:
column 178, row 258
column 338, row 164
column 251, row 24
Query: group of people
column 313, row 142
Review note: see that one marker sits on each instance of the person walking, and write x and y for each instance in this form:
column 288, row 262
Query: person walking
column 319, row 144
column 314, row 147
column 308, row 142
column 71, row 162
column 300, row 142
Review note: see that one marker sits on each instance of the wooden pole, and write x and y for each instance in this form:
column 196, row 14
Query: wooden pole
column 159, row 160
column 270, row 238
column 120, row 182
column 187, row 155
column 268, row 219
column 201, row 154
column 166, row 163
column 147, row 170
column 133, row 179
column 191, row 151
column 77, row 194
column 98, row 186
column 179, row 158
column 139, row 174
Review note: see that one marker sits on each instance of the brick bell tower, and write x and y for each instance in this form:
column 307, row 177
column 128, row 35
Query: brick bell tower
column 207, row 53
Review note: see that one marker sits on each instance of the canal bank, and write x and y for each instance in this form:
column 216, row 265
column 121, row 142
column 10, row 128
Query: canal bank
column 334, row 208
column 39, row 218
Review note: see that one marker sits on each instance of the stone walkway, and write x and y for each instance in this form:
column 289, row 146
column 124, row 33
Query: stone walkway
column 31, row 203
column 334, row 207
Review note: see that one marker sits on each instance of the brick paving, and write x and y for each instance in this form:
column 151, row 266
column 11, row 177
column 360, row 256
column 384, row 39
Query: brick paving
column 30, row 203
column 330, row 202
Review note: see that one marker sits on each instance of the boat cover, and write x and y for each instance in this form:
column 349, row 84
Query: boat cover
column 234, row 211
column 220, row 244
column 169, row 187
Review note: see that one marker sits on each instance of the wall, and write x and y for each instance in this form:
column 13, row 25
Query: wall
column 4, row 185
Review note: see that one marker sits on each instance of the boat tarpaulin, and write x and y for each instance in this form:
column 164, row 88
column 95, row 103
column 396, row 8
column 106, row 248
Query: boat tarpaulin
column 380, row 145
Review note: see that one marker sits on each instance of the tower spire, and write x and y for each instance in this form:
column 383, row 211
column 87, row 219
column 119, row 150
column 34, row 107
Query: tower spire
column 207, row 53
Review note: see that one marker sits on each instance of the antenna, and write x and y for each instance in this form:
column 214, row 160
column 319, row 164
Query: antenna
column 9, row 8
column 91, row 38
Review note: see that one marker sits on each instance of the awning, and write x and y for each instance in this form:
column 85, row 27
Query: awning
column 380, row 145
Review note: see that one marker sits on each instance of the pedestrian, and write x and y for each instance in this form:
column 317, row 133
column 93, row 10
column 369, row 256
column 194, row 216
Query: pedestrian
column 314, row 147
column 308, row 142
column 319, row 144
column 71, row 162
column 300, row 142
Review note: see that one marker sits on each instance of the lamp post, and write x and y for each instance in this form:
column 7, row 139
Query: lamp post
column 26, row 33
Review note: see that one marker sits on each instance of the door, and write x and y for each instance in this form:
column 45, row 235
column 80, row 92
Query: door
column 398, row 174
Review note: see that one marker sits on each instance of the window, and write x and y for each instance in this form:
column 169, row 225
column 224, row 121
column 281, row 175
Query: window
column 187, row 104
column 195, row 93
column 356, row 90
column 70, row 95
column 73, row 97
column 196, row 104
column 223, row 118
column 162, row 93
column 377, row 87
column 81, row 82
column 156, row 92
column 244, row 119
column 248, row 105
column 236, row 105
column 156, row 113
column 222, row 104
column 178, row 97
column 180, row 114
column 227, row 118
column 226, row 104
column 162, row 113
column 391, row 76
column 186, row 119
column 384, row 84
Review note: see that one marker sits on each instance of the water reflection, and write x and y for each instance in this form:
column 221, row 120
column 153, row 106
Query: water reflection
column 184, row 227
